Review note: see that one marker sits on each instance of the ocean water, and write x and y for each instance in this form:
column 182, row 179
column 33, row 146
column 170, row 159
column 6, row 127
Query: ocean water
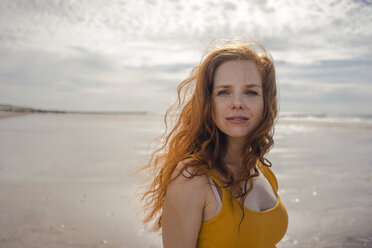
column 66, row 180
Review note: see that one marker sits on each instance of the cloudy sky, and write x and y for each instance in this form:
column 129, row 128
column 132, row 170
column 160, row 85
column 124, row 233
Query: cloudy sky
column 119, row 55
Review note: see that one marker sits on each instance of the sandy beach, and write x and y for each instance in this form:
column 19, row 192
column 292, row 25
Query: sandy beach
column 66, row 181
column 4, row 114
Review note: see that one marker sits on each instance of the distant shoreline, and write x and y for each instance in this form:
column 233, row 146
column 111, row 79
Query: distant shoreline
column 10, row 110
column 4, row 114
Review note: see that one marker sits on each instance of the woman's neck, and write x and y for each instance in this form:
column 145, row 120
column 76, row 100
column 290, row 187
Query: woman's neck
column 233, row 155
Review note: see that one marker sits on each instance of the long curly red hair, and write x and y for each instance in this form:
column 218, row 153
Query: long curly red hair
column 194, row 132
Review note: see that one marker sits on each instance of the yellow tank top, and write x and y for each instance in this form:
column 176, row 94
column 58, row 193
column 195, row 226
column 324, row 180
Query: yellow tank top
column 259, row 229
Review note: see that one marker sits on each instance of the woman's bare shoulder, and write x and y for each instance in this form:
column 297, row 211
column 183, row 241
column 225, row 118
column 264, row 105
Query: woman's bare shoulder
column 183, row 174
column 187, row 187
column 182, row 212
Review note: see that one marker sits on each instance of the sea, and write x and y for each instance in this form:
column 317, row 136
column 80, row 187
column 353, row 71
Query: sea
column 67, row 180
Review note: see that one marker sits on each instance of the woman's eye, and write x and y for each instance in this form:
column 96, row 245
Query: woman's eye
column 251, row 92
column 222, row 92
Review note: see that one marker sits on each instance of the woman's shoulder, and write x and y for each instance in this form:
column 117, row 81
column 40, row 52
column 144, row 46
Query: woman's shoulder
column 185, row 174
column 184, row 190
column 183, row 206
column 182, row 178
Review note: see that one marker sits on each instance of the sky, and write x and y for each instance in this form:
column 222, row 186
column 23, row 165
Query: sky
column 130, row 55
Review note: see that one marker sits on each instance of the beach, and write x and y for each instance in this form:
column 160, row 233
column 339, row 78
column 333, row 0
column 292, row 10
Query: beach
column 4, row 114
column 66, row 180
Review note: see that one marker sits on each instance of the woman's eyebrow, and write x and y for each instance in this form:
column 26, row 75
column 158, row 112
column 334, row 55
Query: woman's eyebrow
column 253, row 86
column 223, row 86
column 247, row 86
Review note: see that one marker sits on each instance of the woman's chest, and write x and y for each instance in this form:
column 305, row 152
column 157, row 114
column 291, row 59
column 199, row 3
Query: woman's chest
column 260, row 198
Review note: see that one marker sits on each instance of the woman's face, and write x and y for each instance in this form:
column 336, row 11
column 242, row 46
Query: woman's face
column 237, row 98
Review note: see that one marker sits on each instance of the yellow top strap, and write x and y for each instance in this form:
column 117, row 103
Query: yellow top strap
column 269, row 175
column 216, row 179
column 266, row 171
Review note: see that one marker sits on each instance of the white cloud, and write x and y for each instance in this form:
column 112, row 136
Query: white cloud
column 297, row 31
column 97, row 48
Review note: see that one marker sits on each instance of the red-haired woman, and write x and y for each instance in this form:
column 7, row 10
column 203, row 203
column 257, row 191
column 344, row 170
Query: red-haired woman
column 212, row 186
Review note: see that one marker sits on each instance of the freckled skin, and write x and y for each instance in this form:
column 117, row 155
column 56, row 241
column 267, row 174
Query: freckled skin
column 241, row 95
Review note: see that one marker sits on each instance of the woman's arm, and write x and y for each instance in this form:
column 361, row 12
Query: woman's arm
column 183, row 210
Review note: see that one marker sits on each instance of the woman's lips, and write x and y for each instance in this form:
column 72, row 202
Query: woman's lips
column 237, row 119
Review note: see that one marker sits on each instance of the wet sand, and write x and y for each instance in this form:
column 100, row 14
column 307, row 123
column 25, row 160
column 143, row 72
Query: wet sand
column 325, row 178
column 65, row 181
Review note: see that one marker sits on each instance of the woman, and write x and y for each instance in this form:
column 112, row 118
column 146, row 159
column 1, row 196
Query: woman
column 212, row 186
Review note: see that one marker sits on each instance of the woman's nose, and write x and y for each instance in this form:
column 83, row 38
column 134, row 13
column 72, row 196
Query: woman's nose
column 237, row 102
